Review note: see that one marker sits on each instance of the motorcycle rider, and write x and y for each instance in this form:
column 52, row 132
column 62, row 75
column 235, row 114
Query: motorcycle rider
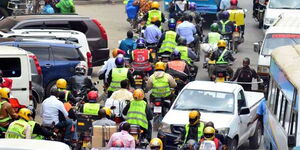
column 61, row 85
column 71, row 112
column 257, row 4
column 209, row 135
column 5, row 82
column 123, row 136
column 92, row 107
column 138, row 112
column 80, row 82
column 226, row 27
column 152, row 32
column 187, row 29
column 66, row 6
column 177, row 67
column 154, row 11
column 104, row 120
column 245, row 74
column 168, row 40
column 237, row 15
column 161, row 83
column 141, row 58
column 213, row 37
column 156, row 144
column 116, row 75
column 176, row 7
column 127, row 45
column 7, row 113
column 222, row 57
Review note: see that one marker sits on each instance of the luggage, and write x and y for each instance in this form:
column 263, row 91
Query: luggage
column 101, row 135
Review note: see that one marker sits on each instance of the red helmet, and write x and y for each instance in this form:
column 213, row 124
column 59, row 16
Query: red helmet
column 234, row 2
column 92, row 95
column 117, row 143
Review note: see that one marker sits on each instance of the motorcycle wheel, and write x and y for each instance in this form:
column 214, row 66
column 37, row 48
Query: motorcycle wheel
column 260, row 20
column 157, row 118
column 235, row 46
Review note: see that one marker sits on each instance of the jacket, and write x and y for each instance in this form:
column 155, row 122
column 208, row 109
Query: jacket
column 6, row 111
column 80, row 82
column 159, row 74
column 129, row 77
column 227, row 56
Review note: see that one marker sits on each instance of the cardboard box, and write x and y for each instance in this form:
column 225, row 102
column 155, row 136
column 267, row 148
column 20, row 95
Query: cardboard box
column 101, row 135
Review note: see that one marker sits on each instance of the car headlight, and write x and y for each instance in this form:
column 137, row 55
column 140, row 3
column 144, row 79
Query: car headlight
column 262, row 69
column 224, row 131
column 164, row 127
column 269, row 21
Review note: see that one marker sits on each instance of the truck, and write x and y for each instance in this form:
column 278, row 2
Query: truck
column 227, row 105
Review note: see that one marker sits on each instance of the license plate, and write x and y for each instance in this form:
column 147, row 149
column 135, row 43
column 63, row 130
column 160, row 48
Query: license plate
column 157, row 109
column 211, row 62
column 222, row 79
column 236, row 34
column 84, row 144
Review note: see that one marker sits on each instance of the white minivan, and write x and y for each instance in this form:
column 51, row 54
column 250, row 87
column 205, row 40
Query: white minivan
column 14, row 62
column 278, row 7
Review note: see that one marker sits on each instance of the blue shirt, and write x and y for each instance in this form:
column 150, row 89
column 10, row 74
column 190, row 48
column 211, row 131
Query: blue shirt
column 186, row 30
column 152, row 34
column 48, row 9
column 261, row 110
column 225, row 4
column 127, row 45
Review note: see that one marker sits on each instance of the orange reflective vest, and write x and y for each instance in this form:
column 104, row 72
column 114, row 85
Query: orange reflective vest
column 177, row 65
column 140, row 59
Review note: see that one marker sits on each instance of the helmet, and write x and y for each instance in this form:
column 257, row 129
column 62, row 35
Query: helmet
column 187, row 16
column 25, row 113
column 107, row 111
column 160, row 66
column 92, row 95
column 61, row 84
column 80, row 69
column 115, row 52
column 119, row 61
column 182, row 41
column 176, row 55
column 156, row 144
column 234, row 2
column 194, row 117
column 117, row 143
column 154, row 19
column 172, row 24
column 209, row 133
column 222, row 43
column 214, row 27
column 224, row 15
column 155, row 5
column 31, row 108
column 192, row 6
column 5, row 93
column 140, row 43
column 138, row 94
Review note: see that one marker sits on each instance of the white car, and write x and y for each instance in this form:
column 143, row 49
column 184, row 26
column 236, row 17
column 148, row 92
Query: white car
column 29, row 144
column 227, row 105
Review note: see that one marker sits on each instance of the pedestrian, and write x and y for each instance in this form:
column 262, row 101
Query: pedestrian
column 66, row 6
column 128, row 44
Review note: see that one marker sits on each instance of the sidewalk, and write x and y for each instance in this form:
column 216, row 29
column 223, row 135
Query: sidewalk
column 89, row 2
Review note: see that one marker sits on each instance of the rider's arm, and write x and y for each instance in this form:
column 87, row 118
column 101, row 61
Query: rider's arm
column 172, row 81
column 191, row 54
column 62, row 109
column 149, row 113
column 254, row 75
column 149, row 83
column 41, row 131
column 10, row 110
column 236, row 74
column 109, row 78
column 161, row 40
column 125, row 110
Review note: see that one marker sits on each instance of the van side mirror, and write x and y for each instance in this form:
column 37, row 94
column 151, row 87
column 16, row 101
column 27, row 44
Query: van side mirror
column 291, row 141
column 257, row 46
column 244, row 111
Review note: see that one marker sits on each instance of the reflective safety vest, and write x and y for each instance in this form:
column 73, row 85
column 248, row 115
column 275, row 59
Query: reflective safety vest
column 221, row 58
column 237, row 16
column 16, row 129
column 137, row 113
column 66, row 94
column 161, row 87
column 200, row 131
column 169, row 43
column 91, row 108
column 152, row 13
column 118, row 75
column 140, row 59
column 177, row 65
column 184, row 53
column 6, row 118
column 213, row 37
column 34, row 136
column 215, row 141
column 223, row 26
column 67, row 106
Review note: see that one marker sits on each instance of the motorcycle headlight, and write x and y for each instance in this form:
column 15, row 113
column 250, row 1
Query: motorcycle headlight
column 224, row 131
column 269, row 21
column 164, row 127
column 262, row 69
column 166, row 3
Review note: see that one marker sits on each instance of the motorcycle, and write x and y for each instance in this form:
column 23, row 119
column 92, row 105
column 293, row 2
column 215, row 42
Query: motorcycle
column 228, row 40
column 221, row 74
column 260, row 13
column 139, row 77
column 236, row 39
column 160, row 108
column 139, row 136
column 153, row 51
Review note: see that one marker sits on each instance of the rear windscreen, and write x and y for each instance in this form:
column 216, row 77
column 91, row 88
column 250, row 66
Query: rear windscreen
column 11, row 67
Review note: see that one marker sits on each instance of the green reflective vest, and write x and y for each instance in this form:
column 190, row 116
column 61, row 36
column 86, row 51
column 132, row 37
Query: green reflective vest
column 118, row 75
column 67, row 92
column 169, row 43
column 34, row 136
column 213, row 37
column 16, row 130
column 91, row 108
column 7, row 118
column 137, row 113
column 223, row 30
column 184, row 53
column 152, row 13
column 221, row 58
column 200, row 131
column 161, row 87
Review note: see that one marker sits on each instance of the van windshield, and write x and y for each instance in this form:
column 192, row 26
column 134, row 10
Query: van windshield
column 285, row 4
column 274, row 41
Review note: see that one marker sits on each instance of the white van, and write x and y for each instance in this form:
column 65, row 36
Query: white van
column 285, row 31
column 278, row 7
column 14, row 62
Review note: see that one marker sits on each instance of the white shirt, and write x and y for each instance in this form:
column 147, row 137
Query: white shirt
column 225, row 4
column 108, row 65
column 118, row 99
column 50, row 108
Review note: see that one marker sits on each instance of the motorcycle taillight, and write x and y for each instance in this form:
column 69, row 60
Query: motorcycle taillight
column 118, row 119
column 220, row 75
column 157, row 103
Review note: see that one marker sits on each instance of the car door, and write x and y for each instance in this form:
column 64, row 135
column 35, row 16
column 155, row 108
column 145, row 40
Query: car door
column 243, row 119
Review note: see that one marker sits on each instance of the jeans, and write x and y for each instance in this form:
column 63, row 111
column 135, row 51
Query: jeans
column 66, row 124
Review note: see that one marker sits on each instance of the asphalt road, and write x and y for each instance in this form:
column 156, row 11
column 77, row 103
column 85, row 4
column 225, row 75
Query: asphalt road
column 113, row 18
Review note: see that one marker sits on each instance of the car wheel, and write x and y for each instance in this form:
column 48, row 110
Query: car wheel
column 3, row 13
column 255, row 140
column 233, row 144
column 50, row 86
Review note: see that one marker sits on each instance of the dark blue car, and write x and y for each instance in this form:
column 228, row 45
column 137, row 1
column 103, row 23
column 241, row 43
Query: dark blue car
column 56, row 60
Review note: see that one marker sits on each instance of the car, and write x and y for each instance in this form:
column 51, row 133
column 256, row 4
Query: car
column 31, row 144
column 227, row 105
column 56, row 60
column 14, row 62
column 96, row 35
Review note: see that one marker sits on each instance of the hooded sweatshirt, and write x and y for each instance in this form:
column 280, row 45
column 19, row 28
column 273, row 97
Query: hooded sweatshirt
column 160, row 74
column 66, row 6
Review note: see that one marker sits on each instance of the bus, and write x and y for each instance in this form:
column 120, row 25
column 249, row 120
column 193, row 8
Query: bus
column 203, row 6
column 281, row 117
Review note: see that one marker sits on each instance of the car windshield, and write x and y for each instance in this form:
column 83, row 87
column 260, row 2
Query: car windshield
column 274, row 41
column 206, row 101
column 285, row 4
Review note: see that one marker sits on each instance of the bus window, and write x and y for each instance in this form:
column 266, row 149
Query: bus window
column 293, row 124
column 279, row 104
column 287, row 115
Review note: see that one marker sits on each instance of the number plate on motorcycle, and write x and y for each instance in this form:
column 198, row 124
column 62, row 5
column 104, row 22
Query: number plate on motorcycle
column 157, row 109
column 220, row 79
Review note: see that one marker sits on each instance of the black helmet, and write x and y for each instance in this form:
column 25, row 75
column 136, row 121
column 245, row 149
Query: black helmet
column 182, row 41
column 80, row 69
column 187, row 16
column 176, row 55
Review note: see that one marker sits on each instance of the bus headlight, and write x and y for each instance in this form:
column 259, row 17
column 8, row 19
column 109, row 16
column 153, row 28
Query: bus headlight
column 262, row 69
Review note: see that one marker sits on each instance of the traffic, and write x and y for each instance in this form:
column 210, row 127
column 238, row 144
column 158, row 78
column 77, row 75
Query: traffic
column 63, row 85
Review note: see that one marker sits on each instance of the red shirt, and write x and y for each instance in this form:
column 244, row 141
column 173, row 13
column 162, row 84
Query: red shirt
column 6, row 83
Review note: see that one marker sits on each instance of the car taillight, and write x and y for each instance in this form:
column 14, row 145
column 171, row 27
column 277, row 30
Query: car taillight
column 157, row 103
column 37, row 65
column 89, row 59
column 101, row 28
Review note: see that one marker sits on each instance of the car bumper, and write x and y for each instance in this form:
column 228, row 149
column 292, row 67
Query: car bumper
column 168, row 140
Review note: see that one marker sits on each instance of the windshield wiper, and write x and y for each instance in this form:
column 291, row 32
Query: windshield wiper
column 200, row 109
column 221, row 111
